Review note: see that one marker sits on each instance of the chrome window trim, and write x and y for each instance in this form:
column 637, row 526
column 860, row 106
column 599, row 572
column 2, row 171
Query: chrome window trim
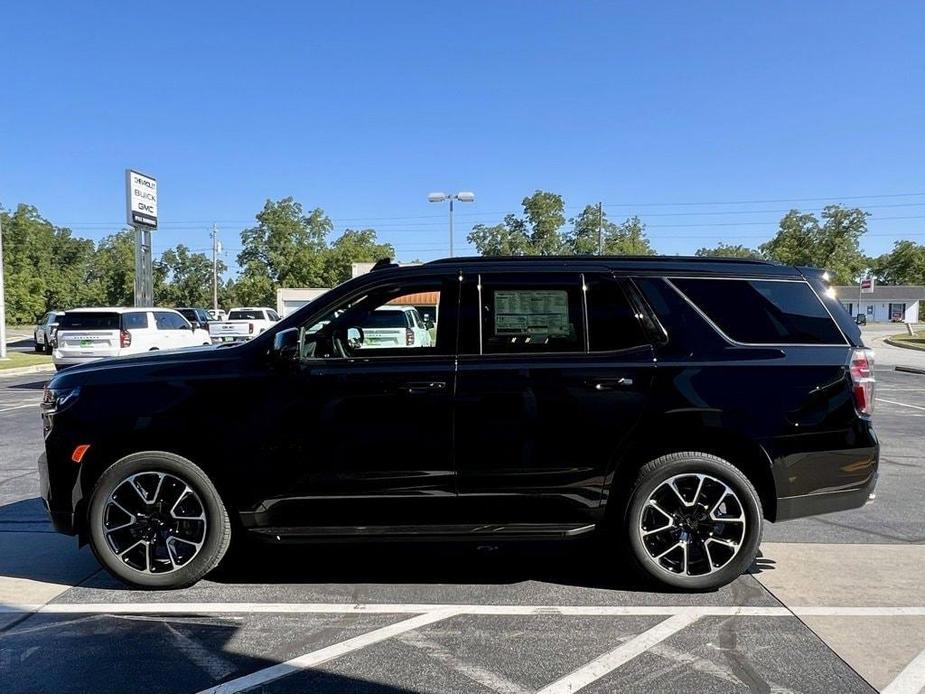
column 738, row 343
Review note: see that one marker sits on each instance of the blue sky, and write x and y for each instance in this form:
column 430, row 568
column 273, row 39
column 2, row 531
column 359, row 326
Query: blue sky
column 362, row 108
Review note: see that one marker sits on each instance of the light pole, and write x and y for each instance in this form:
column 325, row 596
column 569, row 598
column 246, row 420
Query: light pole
column 440, row 197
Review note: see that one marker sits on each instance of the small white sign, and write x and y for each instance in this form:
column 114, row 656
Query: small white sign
column 867, row 285
column 140, row 199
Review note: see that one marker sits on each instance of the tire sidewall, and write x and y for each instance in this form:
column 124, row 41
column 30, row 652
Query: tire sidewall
column 216, row 517
column 726, row 473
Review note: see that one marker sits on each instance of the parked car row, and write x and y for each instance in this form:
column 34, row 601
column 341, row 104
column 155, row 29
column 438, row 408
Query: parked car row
column 85, row 334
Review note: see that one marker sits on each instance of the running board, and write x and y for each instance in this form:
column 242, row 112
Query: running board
column 406, row 533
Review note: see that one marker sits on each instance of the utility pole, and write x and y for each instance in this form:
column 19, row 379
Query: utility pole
column 215, row 247
column 600, row 228
column 2, row 301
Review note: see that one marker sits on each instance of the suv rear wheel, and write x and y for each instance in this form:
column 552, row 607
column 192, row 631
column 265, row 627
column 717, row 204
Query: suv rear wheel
column 693, row 521
column 156, row 521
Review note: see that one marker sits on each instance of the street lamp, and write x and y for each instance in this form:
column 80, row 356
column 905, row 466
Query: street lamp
column 440, row 197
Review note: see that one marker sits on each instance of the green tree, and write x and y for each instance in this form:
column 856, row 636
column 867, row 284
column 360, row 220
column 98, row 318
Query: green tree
column 353, row 246
column 905, row 264
column 536, row 233
column 188, row 278
column 45, row 266
column 833, row 245
column 727, row 250
column 287, row 246
column 626, row 238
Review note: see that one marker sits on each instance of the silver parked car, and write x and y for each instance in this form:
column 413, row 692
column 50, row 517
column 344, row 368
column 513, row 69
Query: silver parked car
column 44, row 332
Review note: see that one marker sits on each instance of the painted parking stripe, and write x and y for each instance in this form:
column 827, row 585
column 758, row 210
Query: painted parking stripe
column 902, row 404
column 310, row 660
column 912, row 678
column 607, row 663
column 187, row 608
column 19, row 407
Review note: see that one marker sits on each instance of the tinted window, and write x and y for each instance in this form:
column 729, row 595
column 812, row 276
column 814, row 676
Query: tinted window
column 132, row 321
column 612, row 322
column 532, row 316
column 89, row 320
column 246, row 315
column 189, row 313
column 274, row 316
column 385, row 319
column 169, row 321
column 763, row 312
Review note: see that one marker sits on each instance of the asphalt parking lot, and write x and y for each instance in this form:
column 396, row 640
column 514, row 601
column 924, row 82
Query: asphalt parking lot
column 834, row 603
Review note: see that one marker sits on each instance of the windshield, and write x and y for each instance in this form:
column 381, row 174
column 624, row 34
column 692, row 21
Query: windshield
column 89, row 320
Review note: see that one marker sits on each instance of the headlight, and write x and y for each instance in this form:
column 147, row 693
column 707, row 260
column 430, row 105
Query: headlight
column 55, row 400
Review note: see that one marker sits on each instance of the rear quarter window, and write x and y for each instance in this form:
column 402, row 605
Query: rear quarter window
column 134, row 321
column 763, row 311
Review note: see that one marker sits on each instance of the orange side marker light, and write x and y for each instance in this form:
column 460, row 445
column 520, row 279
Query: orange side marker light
column 80, row 452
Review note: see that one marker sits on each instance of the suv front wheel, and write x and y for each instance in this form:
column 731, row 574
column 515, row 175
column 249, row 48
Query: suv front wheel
column 693, row 521
column 156, row 521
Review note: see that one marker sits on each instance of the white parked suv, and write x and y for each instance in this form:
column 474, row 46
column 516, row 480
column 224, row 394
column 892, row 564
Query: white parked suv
column 391, row 326
column 87, row 334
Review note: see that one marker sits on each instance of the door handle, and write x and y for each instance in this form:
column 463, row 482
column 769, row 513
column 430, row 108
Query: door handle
column 611, row 383
column 423, row 386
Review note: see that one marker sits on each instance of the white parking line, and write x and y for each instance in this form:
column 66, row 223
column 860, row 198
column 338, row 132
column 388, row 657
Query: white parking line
column 601, row 666
column 901, row 404
column 189, row 608
column 19, row 407
column 309, row 660
column 911, row 680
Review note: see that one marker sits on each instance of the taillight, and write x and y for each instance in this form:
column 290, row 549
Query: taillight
column 125, row 338
column 409, row 337
column 862, row 377
column 250, row 328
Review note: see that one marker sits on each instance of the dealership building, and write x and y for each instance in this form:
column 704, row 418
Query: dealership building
column 886, row 303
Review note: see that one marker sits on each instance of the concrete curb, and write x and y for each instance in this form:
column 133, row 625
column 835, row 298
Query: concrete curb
column 910, row 370
column 901, row 345
column 24, row 370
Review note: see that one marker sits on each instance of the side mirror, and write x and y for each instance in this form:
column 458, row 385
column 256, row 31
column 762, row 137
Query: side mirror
column 355, row 338
column 286, row 345
column 195, row 324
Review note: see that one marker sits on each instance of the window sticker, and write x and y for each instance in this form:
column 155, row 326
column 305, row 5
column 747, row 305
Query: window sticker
column 532, row 313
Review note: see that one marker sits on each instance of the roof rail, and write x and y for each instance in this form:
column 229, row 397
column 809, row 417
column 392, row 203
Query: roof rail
column 383, row 264
column 598, row 258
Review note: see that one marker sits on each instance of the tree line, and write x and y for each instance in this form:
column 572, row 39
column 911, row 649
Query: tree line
column 830, row 240
column 48, row 266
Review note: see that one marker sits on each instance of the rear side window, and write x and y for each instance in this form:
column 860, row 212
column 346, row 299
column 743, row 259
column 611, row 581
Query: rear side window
column 386, row 319
column 612, row 322
column 89, row 320
column 134, row 321
column 532, row 316
column 762, row 311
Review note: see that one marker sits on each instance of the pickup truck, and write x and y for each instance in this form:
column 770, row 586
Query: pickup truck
column 243, row 324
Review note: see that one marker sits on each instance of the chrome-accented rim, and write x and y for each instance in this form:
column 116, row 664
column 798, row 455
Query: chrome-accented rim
column 692, row 525
column 154, row 522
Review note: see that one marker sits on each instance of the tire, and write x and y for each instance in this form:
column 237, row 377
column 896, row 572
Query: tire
column 48, row 348
column 712, row 547
column 39, row 347
column 159, row 564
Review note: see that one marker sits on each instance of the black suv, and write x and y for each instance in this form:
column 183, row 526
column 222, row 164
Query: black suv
column 674, row 402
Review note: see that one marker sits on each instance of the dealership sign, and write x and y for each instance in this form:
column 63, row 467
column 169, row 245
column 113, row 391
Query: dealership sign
column 140, row 199
column 867, row 285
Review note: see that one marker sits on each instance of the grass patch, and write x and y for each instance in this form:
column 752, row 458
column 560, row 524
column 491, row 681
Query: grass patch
column 18, row 359
column 916, row 341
